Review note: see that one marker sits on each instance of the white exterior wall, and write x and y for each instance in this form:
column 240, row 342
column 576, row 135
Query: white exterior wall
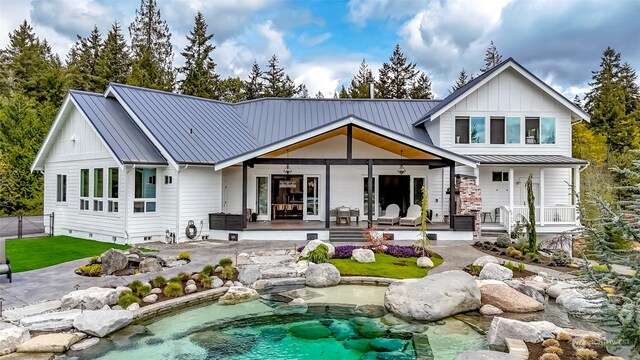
column 508, row 94
column 67, row 157
column 200, row 195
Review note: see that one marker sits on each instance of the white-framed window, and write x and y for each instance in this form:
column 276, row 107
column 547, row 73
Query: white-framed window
column 61, row 188
column 499, row 176
column 470, row 130
column 84, row 189
column 98, row 189
column 112, row 189
column 168, row 179
column 145, row 190
column 540, row 130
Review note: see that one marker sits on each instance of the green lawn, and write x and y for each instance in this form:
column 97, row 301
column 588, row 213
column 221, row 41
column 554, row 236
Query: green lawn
column 37, row 253
column 385, row 266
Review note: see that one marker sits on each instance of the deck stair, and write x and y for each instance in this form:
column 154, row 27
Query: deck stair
column 351, row 234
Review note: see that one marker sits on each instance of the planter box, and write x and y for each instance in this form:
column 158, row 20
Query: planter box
column 464, row 223
column 222, row 221
column 234, row 222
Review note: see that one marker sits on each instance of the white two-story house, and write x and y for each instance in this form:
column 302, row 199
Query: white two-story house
column 134, row 165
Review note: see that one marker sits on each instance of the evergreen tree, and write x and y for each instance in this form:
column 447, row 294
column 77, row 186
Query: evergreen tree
column 115, row 63
column 232, row 89
column 319, row 95
column 200, row 78
column 82, row 62
column 254, row 87
column 421, row 88
column 491, row 57
column 343, row 93
column 302, row 91
column 359, row 87
column 395, row 78
column 629, row 82
column 463, row 79
column 277, row 82
column 152, row 64
column 577, row 100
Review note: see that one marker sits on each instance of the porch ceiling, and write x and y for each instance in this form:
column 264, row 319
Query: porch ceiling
column 363, row 135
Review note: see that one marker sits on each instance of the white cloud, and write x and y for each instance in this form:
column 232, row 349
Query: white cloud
column 361, row 11
column 12, row 15
column 313, row 40
column 70, row 18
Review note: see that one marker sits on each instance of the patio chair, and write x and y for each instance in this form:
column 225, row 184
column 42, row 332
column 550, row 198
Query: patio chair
column 391, row 215
column 5, row 267
column 413, row 216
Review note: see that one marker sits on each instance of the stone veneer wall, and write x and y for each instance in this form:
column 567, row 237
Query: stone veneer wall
column 469, row 200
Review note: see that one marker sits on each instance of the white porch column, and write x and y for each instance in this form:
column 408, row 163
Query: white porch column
column 510, row 212
column 576, row 193
column 542, row 196
column 476, row 173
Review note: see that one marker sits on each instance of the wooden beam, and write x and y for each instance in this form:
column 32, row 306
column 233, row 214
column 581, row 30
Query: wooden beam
column 349, row 143
column 327, row 196
column 452, row 193
column 244, row 195
column 369, row 192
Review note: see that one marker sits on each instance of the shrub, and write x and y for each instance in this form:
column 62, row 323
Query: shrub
column 510, row 249
column 127, row 298
column 205, row 281
column 548, row 356
column 344, row 251
column 586, row 354
column 143, row 290
column 207, row 270
column 612, row 358
column 503, row 241
column 183, row 276
column 560, row 258
column 551, row 342
column 228, row 273
column 563, row 336
column 134, row 285
column 173, row 289
column 515, row 254
column 225, row 262
column 531, row 255
column 94, row 260
column 175, row 280
column 91, row 270
column 319, row 255
column 402, row 251
column 475, row 270
column 159, row 281
column 521, row 267
column 553, row 350
column 184, row 256
column 509, row 265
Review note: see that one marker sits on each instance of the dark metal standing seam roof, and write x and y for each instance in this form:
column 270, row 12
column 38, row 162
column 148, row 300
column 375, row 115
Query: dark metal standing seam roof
column 118, row 130
column 527, row 159
column 192, row 130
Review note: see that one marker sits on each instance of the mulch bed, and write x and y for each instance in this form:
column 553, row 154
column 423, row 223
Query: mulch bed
column 542, row 261
column 569, row 353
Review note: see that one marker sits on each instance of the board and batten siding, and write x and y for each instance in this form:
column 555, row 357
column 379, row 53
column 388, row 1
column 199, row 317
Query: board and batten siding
column 507, row 94
column 200, row 195
column 75, row 147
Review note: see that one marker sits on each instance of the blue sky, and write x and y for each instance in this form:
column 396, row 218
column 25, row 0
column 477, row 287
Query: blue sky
column 321, row 42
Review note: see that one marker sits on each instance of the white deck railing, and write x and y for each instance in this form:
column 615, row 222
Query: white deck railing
column 553, row 215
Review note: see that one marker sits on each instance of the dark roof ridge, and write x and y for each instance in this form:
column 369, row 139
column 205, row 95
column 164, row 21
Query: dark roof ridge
column 333, row 99
column 84, row 92
column 171, row 93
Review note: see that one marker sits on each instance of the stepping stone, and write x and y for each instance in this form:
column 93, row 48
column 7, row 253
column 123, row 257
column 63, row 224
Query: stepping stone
column 31, row 310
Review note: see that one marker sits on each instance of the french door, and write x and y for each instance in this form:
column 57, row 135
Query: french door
column 311, row 197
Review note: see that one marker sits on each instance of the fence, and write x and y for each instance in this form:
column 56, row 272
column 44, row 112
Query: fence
column 23, row 225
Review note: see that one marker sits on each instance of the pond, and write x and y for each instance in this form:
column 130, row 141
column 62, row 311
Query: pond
column 330, row 329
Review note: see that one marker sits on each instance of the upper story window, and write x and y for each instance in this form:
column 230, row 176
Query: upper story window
column 505, row 130
column 540, row 130
column 513, row 130
column 145, row 190
column 470, row 130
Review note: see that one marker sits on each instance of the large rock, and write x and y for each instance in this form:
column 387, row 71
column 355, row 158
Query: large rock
column 433, row 297
column 85, row 344
column 424, row 262
column 237, row 294
column 31, row 310
column 533, row 331
column 11, row 337
column 322, row 275
column 55, row 321
column 216, row 282
column 150, row 299
column 93, row 298
column 191, row 288
column 493, row 271
column 301, row 267
column 150, row 265
column 50, row 343
column 270, row 286
column 489, row 310
column 531, row 291
column 484, row 260
column 314, row 244
column 113, row 260
column 101, row 323
column 363, row 256
column 508, row 299
column 557, row 289
column 485, row 355
column 249, row 274
column 580, row 304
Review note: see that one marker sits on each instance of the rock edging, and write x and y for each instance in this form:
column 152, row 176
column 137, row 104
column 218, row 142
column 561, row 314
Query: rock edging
column 167, row 306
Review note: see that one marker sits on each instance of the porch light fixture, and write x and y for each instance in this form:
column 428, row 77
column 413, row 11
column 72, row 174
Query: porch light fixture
column 401, row 169
column 287, row 170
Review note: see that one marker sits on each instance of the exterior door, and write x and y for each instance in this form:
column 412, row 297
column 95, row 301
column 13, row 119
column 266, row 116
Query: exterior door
column 311, row 197
column 521, row 198
column 263, row 205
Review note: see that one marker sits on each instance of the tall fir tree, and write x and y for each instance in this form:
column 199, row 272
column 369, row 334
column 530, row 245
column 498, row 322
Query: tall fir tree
column 319, row 95
column 152, row 64
column 302, row 92
column 359, row 86
column 82, row 62
column 343, row 94
column 114, row 64
column 254, row 87
column 232, row 89
column 200, row 78
column 629, row 82
column 421, row 88
column 491, row 57
column 462, row 80
column 395, row 78
column 277, row 82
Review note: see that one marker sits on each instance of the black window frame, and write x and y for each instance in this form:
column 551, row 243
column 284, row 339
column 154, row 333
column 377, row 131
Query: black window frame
column 61, row 188
column 497, row 134
column 462, row 128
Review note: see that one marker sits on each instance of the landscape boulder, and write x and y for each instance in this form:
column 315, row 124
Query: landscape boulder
column 11, row 336
column 85, row 344
column 301, row 267
column 237, row 294
column 150, row 265
column 489, row 310
column 249, row 274
column 508, row 299
column 557, row 289
column 113, row 260
column 50, row 343
column 363, row 256
column 484, row 260
column 424, row 262
column 322, row 275
column 93, row 298
column 101, row 323
column 492, row 271
column 191, row 288
column 53, row 321
column 580, row 304
column 534, row 331
column 314, row 244
column 528, row 289
column 485, row 355
column 150, row 299
column 433, row 297
column 216, row 282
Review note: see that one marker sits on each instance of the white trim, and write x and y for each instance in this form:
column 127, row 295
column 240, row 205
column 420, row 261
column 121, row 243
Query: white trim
column 511, row 64
column 541, row 195
column 336, row 125
column 147, row 133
